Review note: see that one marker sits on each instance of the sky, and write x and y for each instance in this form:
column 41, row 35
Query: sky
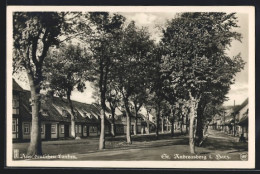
column 155, row 22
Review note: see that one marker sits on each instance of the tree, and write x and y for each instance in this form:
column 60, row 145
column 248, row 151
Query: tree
column 166, row 114
column 156, row 79
column 138, row 98
column 67, row 67
column 131, row 66
column 195, row 56
column 106, row 31
column 113, row 97
column 34, row 33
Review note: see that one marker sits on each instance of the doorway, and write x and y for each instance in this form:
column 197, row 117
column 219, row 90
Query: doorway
column 66, row 130
column 47, row 131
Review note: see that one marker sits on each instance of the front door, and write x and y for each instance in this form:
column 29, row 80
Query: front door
column 66, row 130
column 47, row 131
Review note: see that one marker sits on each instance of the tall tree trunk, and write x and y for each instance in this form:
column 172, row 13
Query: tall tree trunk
column 72, row 118
column 172, row 122
column 157, row 119
column 148, row 124
column 135, row 127
column 200, row 126
column 35, row 147
column 172, row 128
column 187, row 122
column 128, row 122
column 137, row 108
column 102, row 123
column 162, row 125
column 167, row 124
column 113, row 128
column 181, row 128
column 192, row 127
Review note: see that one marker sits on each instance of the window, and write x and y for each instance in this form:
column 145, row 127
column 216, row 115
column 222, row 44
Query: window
column 53, row 129
column 64, row 113
column 85, row 129
column 76, row 128
column 62, row 129
column 80, row 129
column 26, row 128
column 92, row 129
column 42, row 128
column 45, row 113
column 14, row 125
column 15, row 104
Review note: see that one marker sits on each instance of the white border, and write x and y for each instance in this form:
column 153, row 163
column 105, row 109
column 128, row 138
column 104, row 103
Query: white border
column 250, row 10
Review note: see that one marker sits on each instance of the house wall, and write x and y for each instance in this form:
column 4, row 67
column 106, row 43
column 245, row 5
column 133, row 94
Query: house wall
column 139, row 127
column 43, row 131
column 85, row 130
column 61, row 134
column 242, row 111
column 15, row 128
column 93, row 130
column 119, row 129
column 242, row 129
column 79, row 130
column 107, row 129
column 55, row 135
column 26, row 135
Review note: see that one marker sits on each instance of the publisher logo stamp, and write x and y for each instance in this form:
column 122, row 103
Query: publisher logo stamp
column 16, row 153
column 244, row 156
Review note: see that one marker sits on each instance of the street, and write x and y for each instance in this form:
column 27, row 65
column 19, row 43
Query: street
column 217, row 146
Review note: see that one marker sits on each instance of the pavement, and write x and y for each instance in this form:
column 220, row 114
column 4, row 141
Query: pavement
column 217, row 146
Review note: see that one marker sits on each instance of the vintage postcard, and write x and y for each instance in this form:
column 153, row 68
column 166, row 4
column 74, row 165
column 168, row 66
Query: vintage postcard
column 131, row 86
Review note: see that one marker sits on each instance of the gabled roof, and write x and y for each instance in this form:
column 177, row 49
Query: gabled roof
column 52, row 109
column 16, row 86
column 237, row 109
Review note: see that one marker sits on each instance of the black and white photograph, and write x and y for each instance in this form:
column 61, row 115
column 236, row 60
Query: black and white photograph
column 131, row 86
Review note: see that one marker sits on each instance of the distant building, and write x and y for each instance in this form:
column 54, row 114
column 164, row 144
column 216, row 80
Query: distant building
column 56, row 118
column 232, row 120
column 242, row 119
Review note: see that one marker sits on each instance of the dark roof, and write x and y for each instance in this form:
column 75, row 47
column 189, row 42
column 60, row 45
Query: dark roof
column 243, row 120
column 57, row 109
column 52, row 109
column 238, row 108
column 16, row 86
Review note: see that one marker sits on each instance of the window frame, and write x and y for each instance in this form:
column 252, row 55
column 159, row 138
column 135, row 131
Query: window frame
column 62, row 128
column 42, row 128
column 53, row 126
column 79, row 129
column 76, row 129
column 16, row 104
column 26, row 126
column 85, row 129
column 14, row 126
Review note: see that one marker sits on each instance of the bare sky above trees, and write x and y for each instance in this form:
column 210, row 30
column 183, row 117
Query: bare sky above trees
column 154, row 22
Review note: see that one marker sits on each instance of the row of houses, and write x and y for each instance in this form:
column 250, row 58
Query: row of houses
column 56, row 118
column 232, row 120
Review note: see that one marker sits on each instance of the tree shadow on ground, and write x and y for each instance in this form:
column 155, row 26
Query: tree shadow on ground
column 146, row 142
column 222, row 145
column 151, row 137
